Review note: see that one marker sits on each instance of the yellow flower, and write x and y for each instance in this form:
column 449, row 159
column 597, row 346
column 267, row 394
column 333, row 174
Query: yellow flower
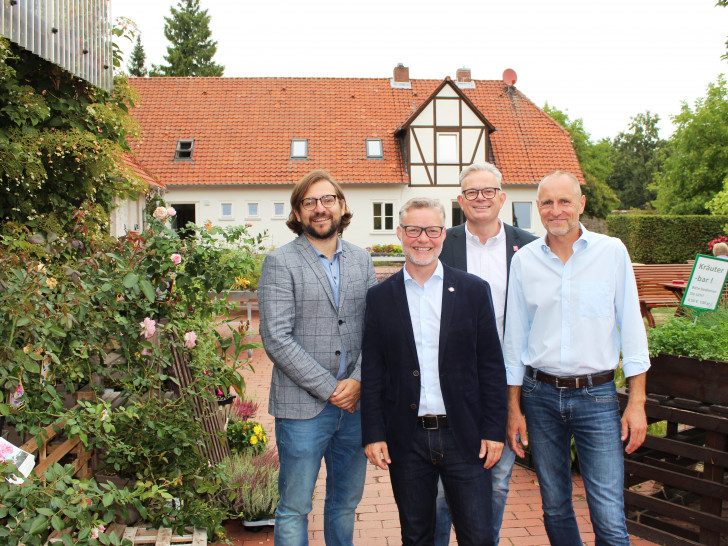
column 260, row 437
column 51, row 282
column 253, row 440
column 257, row 430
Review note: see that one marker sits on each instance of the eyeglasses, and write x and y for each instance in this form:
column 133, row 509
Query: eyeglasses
column 309, row 203
column 488, row 193
column 433, row 232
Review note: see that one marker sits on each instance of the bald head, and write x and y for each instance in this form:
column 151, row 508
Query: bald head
column 560, row 175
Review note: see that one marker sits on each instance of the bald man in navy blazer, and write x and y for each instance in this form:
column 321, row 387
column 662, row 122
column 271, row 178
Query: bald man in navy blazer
column 433, row 384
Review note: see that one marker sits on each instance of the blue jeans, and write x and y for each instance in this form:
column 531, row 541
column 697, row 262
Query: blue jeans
column 335, row 436
column 434, row 455
column 591, row 415
column 500, row 475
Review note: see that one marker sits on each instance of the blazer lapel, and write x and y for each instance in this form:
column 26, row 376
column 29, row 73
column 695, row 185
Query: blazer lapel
column 400, row 299
column 460, row 254
column 449, row 291
column 310, row 257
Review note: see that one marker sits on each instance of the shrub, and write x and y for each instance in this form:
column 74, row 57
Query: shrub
column 704, row 338
column 255, row 484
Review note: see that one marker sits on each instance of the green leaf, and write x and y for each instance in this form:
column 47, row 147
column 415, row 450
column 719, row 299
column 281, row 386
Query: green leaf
column 22, row 321
column 67, row 540
column 107, row 499
column 38, row 525
column 130, row 280
column 147, row 288
column 57, row 523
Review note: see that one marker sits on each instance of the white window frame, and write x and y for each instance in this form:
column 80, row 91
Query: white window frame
column 373, row 143
column 296, row 154
column 283, row 207
column 383, row 216
column 441, row 159
column 255, row 216
column 224, row 216
column 530, row 214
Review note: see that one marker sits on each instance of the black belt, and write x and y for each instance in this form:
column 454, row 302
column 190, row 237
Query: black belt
column 433, row 422
column 571, row 382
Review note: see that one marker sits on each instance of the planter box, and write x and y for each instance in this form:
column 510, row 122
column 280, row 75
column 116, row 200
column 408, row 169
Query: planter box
column 686, row 377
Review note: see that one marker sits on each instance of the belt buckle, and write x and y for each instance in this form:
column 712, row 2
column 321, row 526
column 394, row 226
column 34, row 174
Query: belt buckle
column 556, row 383
column 426, row 418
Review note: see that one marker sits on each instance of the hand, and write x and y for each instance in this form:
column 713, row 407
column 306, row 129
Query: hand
column 493, row 450
column 378, row 454
column 634, row 427
column 516, row 427
column 346, row 395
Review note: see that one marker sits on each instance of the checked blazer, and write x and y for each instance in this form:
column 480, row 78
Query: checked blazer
column 303, row 332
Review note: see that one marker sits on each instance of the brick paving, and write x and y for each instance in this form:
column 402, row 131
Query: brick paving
column 377, row 521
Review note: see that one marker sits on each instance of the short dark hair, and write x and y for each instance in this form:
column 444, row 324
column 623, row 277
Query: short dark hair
column 302, row 187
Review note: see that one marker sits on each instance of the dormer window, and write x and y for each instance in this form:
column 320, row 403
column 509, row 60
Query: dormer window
column 299, row 148
column 374, row 148
column 184, row 149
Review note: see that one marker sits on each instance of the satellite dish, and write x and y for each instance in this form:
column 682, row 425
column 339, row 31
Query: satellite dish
column 509, row 77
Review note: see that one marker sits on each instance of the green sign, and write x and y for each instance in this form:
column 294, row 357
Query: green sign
column 706, row 283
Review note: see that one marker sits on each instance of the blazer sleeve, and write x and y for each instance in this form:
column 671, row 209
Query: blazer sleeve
column 373, row 378
column 276, row 298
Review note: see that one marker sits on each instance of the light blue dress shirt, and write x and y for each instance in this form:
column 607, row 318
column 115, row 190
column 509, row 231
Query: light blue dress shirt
column 332, row 269
column 574, row 318
column 425, row 307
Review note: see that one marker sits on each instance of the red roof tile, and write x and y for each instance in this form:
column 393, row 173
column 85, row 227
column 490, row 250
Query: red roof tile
column 243, row 127
column 132, row 163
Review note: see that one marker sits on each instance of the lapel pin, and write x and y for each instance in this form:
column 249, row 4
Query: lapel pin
column 515, row 248
column 451, row 289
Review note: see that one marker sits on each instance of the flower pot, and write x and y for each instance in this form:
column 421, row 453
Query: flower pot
column 687, row 377
column 258, row 525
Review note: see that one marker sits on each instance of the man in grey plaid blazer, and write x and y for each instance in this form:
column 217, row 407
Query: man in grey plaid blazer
column 312, row 294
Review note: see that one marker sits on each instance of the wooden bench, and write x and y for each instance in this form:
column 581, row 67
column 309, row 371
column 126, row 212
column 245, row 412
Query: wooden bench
column 651, row 293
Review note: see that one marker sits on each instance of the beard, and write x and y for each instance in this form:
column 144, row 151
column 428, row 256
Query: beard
column 419, row 261
column 310, row 230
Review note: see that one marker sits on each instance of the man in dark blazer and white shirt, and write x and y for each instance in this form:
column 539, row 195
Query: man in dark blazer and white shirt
column 433, row 384
column 483, row 246
column 311, row 295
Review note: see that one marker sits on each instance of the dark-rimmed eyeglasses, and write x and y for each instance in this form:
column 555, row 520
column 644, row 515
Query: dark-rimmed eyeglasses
column 472, row 195
column 433, row 232
column 309, row 203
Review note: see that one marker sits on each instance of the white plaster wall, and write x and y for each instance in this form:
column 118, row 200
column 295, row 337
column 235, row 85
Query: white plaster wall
column 207, row 201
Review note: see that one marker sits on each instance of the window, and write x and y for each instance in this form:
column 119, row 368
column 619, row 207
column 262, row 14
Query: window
column 252, row 210
column 457, row 214
column 299, row 148
column 447, row 148
column 226, row 210
column 184, row 149
column 374, row 148
column 522, row 215
column 279, row 210
column 383, row 215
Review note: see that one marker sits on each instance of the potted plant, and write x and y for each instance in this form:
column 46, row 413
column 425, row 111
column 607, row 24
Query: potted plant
column 254, row 493
column 689, row 357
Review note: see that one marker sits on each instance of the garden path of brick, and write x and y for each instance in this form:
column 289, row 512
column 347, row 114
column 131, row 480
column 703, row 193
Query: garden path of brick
column 377, row 521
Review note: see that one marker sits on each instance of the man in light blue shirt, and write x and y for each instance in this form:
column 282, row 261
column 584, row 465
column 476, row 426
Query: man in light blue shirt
column 572, row 308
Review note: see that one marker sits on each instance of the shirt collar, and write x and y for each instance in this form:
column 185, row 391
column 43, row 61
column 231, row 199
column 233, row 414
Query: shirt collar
column 338, row 250
column 439, row 272
column 475, row 239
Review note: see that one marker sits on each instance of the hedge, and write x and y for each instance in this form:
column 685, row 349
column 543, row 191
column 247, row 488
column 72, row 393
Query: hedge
column 661, row 239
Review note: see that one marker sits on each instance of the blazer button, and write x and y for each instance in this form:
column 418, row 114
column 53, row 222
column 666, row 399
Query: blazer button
column 413, row 406
column 416, row 373
column 338, row 353
column 341, row 322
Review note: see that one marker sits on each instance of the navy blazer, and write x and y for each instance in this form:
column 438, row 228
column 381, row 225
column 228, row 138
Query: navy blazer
column 472, row 372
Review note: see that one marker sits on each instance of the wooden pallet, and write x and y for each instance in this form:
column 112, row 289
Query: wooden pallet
column 165, row 537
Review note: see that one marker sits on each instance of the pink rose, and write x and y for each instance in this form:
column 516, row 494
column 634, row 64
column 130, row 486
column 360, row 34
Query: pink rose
column 95, row 532
column 176, row 258
column 171, row 211
column 149, row 326
column 190, row 340
column 5, row 451
column 160, row 213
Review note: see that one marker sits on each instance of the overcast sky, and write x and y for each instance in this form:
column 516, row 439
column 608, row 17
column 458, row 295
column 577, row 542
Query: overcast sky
column 601, row 61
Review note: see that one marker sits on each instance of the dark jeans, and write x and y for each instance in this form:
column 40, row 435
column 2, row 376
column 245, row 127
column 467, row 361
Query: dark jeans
column 467, row 485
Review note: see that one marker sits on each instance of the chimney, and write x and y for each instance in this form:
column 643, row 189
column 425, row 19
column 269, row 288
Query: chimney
column 462, row 75
column 401, row 74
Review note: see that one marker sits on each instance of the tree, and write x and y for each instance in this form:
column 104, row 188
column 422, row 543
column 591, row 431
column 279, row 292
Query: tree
column 595, row 162
column 698, row 155
column 192, row 49
column 637, row 156
column 137, row 60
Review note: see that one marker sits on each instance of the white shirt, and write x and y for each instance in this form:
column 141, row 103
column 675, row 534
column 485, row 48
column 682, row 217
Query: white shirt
column 425, row 307
column 488, row 261
column 574, row 318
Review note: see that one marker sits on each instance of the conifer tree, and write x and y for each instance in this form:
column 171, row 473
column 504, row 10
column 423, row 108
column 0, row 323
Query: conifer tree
column 192, row 48
column 137, row 60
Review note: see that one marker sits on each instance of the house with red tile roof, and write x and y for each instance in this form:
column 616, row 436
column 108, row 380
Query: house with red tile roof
column 228, row 150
